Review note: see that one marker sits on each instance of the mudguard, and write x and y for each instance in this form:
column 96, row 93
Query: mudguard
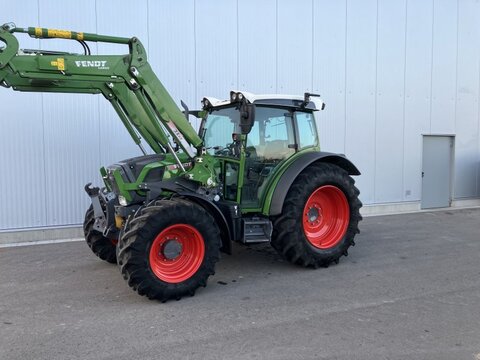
column 214, row 210
column 289, row 176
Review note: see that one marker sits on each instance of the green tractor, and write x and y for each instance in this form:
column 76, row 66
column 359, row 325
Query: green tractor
column 253, row 173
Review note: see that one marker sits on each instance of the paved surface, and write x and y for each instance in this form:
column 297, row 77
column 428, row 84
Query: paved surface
column 410, row 289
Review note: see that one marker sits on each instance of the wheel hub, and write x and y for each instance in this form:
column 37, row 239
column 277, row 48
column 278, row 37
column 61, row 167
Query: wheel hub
column 314, row 213
column 171, row 249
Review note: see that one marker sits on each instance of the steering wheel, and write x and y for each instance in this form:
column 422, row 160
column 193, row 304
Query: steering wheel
column 223, row 151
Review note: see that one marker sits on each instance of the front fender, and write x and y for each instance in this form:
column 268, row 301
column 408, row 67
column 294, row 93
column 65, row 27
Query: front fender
column 301, row 163
column 216, row 212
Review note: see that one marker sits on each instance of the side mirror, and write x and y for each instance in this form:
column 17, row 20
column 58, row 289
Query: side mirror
column 247, row 116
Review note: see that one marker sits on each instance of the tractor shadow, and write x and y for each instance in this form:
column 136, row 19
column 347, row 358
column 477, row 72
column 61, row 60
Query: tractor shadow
column 262, row 267
column 256, row 257
column 252, row 262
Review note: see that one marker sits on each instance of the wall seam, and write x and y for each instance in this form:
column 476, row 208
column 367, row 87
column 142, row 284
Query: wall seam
column 431, row 69
column 238, row 51
column 44, row 158
column 404, row 99
column 276, row 46
column 478, row 120
column 375, row 113
column 100, row 157
column 345, row 81
column 195, row 48
column 148, row 27
column 456, row 74
column 452, row 165
column 313, row 43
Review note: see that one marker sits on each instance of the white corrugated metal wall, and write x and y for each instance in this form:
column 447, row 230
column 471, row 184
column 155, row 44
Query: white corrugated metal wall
column 389, row 72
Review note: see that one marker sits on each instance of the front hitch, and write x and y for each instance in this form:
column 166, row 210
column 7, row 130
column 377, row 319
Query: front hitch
column 103, row 204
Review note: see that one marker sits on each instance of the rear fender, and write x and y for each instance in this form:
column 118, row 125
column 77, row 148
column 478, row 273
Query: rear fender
column 301, row 163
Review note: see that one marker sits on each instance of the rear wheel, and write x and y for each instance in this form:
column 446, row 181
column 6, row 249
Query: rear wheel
column 100, row 245
column 324, row 201
column 169, row 249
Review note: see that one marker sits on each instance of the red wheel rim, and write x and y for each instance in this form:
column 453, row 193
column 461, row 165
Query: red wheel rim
column 325, row 217
column 177, row 253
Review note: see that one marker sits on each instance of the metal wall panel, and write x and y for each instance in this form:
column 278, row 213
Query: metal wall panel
column 71, row 154
column 257, row 46
column 361, row 88
column 171, row 28
column 54, row 14
column 22, row 178
column 111, row 18
column 329, row 39
column 444, row 67
column 418, row 81
column 173, row 49
column 390, row 101
column 12, row 12
column 216, row 46
column 467, row 123
column 70, row 125
column 388, row 75
column 294, row 46
column 119, row 18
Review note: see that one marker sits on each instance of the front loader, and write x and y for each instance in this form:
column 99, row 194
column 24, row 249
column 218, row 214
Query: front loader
column 253, row 173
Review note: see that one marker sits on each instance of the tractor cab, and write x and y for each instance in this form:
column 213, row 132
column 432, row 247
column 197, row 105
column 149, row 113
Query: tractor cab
column 254, row 135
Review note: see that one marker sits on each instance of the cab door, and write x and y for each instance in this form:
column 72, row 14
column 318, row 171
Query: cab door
column 268, row 144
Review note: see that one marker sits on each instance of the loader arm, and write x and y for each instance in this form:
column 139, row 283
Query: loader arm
column 127, row 81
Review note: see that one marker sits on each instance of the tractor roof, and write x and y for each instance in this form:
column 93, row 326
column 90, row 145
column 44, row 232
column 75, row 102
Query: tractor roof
column 294, row 101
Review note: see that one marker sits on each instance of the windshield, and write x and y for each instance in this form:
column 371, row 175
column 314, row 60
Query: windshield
column 222, row 132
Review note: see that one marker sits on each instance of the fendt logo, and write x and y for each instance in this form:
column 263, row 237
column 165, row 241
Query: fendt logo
column 99, row 64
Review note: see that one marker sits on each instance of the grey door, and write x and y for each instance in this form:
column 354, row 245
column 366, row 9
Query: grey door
column 436, row 172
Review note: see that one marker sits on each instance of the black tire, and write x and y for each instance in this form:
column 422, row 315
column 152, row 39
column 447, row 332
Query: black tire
column 123, row 230
column 141, row 234
column 100, row 245
column 289, row 237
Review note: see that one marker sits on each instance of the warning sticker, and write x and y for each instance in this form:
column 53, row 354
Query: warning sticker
column 60, row 64
column 64, row 34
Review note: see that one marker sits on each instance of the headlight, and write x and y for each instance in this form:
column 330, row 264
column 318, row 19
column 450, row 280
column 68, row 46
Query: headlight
column 240, row 96
column 233, row 96
column 122, row 201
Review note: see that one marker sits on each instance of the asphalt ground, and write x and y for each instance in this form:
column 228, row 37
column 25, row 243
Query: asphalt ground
column 410, row 289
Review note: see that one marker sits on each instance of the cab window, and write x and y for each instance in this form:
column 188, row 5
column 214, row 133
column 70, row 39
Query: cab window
column 221, row 132
column 306, row 129
column 275, row 133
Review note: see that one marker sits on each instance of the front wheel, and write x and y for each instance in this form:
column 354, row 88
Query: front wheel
column 320, row 217
column 169, row 249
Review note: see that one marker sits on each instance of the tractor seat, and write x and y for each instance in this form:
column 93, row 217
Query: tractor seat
column 277, row 150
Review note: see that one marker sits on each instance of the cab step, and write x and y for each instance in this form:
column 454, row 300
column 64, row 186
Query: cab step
column 256, row 230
